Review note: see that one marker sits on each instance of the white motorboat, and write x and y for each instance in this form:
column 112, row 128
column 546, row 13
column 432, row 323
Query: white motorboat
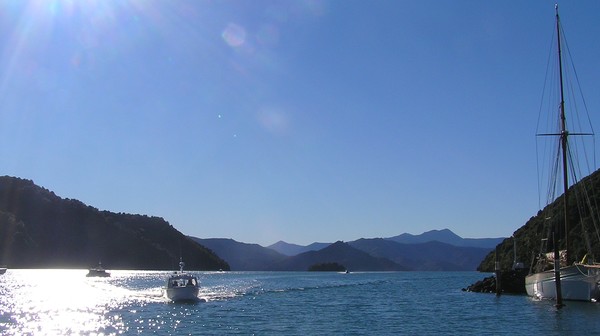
column 182, row 286
column 97, row 272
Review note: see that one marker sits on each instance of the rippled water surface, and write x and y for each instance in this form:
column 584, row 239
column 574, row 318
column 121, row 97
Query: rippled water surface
column 65, row 302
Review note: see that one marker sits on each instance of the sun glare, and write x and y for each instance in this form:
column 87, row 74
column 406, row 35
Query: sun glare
column 59, row 300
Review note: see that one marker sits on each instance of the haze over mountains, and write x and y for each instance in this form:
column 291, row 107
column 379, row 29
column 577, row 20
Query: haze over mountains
column 42, row 230
column 289, row 249
column 448, row 237
column 436, row 250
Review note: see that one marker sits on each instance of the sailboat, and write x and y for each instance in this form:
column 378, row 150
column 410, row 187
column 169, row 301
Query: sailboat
column 563, row 279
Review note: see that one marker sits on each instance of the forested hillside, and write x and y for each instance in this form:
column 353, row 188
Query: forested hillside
column 582, row 233
column 41, row 230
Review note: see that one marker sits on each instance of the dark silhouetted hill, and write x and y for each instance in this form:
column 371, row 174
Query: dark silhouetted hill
column 41, row 230
column 530, row 235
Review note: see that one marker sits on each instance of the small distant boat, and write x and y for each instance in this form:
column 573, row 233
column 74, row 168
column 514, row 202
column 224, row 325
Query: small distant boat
column 97, row 272
column 182, row 286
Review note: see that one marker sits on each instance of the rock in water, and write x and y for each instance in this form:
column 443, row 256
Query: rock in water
column 513, row 282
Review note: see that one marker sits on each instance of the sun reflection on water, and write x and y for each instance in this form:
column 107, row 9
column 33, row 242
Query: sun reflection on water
column 66, row 302
column 59, row 302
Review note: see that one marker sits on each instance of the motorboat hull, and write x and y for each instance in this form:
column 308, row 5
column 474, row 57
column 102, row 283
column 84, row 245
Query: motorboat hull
column 578, row 283
column 182, row 286
column 97, row 273
column 182, row 293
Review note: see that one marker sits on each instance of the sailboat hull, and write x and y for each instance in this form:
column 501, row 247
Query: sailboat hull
column 578, row 283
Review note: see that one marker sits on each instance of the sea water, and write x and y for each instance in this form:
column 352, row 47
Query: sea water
column 65, row 302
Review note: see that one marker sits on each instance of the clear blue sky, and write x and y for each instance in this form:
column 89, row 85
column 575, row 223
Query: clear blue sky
column 277, row 120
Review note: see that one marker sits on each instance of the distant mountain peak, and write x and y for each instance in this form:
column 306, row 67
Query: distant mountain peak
column 294, row 249
column 446, row 230
column 445, row 236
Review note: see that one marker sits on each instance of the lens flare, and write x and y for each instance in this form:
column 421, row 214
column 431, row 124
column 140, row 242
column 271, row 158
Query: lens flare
column 234, row 35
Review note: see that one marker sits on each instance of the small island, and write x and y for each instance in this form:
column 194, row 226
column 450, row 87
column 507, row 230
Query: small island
column 327, row 267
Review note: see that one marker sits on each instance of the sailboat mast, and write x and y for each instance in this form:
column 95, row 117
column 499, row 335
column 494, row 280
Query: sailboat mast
column 563, row 139
column 564, row 134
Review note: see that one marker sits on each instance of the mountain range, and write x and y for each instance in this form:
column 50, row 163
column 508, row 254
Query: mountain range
column 39, row 229
column 42, row 230
column 377, row 254
column 448, row 237
column 443, row 236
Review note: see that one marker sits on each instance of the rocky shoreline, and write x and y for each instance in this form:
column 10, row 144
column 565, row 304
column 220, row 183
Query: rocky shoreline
column 513, row 282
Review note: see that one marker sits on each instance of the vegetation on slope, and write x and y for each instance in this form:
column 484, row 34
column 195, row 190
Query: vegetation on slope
column 41, row 230
column 529, row 237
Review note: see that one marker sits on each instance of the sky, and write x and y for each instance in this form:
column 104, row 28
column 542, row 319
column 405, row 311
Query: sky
column 300, row 121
